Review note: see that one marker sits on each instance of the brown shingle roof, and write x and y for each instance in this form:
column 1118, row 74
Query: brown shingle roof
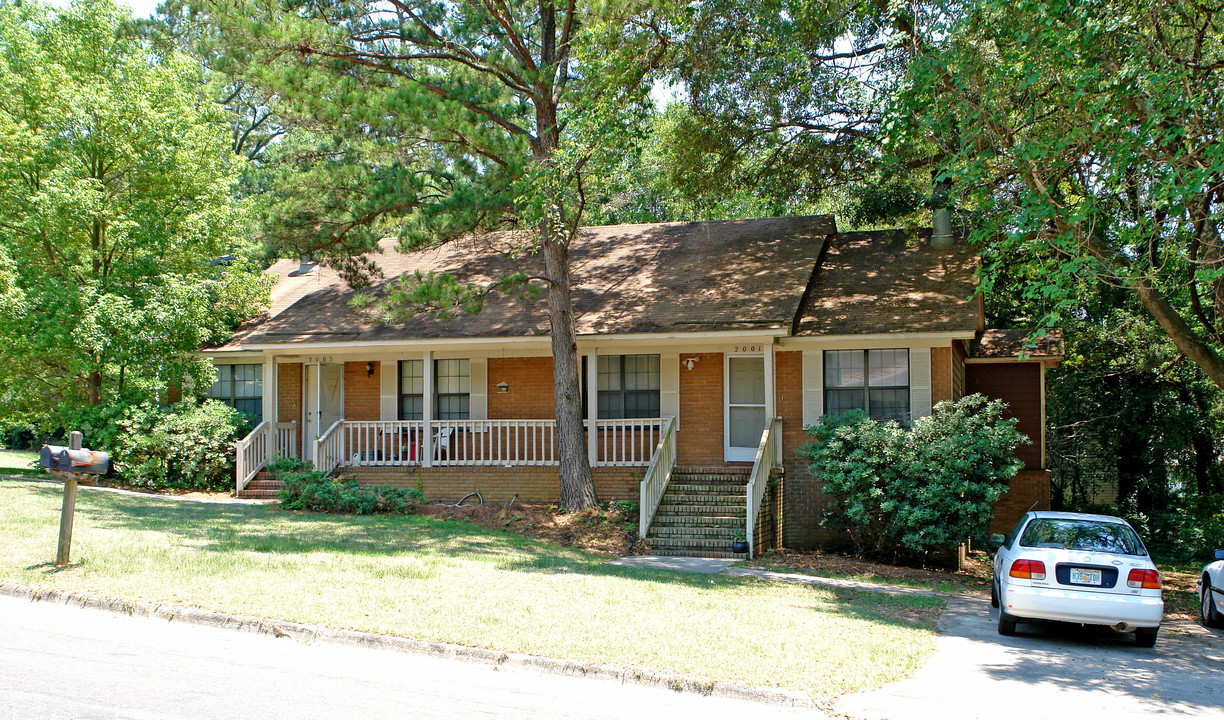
column 1012, row 343
column 889, row 282
column 626, row 279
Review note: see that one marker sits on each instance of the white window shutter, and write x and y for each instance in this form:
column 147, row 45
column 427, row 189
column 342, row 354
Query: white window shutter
column 478, row 401
column 388, row 390
column 920, row 382
column 813, row 386
column 669, row 386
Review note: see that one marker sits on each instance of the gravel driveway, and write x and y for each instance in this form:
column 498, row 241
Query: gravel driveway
column 1052, row 671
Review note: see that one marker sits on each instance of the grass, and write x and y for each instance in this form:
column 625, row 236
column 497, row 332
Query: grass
column 450, row 581
column 20, row 462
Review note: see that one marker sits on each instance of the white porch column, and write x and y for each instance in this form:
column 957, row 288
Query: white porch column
column 771, row 395
column 427, row 409
column 269, row 392
column 592, row 367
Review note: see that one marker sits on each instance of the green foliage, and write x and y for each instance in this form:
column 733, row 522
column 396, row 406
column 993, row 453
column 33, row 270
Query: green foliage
column 896, row 491
column 1083, row 139
column 185, row 445
column 115, row 205
column 308, row 489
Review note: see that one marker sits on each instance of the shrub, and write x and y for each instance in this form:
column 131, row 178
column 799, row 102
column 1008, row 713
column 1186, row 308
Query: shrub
column 894, row 490
column 185, row 445
column 308, row 489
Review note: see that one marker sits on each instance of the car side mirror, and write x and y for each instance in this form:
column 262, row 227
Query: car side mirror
column 997, row 539
column 1219, row 554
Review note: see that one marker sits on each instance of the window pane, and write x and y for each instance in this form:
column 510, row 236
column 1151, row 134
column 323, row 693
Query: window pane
column 412, row 407
column 890, row 404
column 843, row 368
column 452, row 376
column 218, row 388
column 610, row 405
column 840, row 401
column 609, row 372
column 888, row 368
column 642, row 404
column 252, row 408
column 747, row 380
column 412, row 376
column 453, row 407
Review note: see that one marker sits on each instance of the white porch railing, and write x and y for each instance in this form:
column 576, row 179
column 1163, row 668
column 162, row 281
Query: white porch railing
column 329, row 448
column 286, row 439
column 625, row 443
column 251, row 454
column 654, row 484
column 758, row 482
column 381, row 443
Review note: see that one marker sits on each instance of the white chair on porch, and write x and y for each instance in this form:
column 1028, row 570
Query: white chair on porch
column 441, row 442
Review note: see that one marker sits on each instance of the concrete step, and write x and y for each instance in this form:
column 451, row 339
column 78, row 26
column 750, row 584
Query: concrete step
column 248, row 494
column 698, row 553
column 703, row 544
column 699, row 489
column 721, row 510
column 705, row 500
column 264, row 484
column 694, row 532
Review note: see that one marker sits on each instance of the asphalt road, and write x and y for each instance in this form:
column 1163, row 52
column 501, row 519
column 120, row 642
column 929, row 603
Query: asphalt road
column 62, row 662
column 1052, row 671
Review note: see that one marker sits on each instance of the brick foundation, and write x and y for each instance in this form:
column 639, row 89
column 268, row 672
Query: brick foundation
column 498, row 484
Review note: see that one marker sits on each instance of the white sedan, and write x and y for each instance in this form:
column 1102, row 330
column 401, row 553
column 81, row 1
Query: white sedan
column 1211, row 592
column 1079, row 568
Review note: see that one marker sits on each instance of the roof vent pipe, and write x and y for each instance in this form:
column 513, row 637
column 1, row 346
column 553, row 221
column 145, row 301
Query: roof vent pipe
column 305, row 265
column 941, row 223
column 941, row 233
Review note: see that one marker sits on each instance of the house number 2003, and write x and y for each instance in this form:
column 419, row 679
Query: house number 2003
column 747, row 348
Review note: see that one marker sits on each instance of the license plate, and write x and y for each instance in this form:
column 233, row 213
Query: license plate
column 1084, row 576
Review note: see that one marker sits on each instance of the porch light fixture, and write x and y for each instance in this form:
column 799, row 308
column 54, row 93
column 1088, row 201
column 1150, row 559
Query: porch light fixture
column 369, row 369
column 689, row 363
column 503, row 387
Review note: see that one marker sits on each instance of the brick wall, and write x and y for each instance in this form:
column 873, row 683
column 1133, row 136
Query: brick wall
column 289, row 397
column 361, row 391
column 941, row 374
column 1019, row 385
column 1028, row 490
column 700, row 440
column 531, row 388
column 803, row 501
column 498, row 484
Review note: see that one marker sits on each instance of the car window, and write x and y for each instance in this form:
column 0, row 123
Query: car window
column 1010, row 538
column 1073, row 534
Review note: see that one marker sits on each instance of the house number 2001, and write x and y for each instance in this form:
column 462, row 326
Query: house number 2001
column 747, row 348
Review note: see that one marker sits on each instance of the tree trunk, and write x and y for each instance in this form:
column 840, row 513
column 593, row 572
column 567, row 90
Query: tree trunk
column 577, row 485
column 1179, row 331
column 93, row 387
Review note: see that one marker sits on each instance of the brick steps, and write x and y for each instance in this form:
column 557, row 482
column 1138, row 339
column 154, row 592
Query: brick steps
column 700, row 513
column 262, row 487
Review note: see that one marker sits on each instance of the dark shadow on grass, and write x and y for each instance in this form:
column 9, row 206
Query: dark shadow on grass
column 50, row 568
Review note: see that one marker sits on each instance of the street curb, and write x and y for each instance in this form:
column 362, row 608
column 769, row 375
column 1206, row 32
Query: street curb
column 306, row 633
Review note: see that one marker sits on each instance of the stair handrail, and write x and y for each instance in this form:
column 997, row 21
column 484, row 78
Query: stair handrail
column 329, row 448
column 251, row 454
column 658, row 474
column 762, row 467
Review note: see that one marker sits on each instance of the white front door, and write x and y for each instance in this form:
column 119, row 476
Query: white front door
column 745, row 406
column 324, row 402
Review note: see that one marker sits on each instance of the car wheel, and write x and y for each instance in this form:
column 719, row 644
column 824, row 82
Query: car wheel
column 1208, row 613
column 1007, row 623
column 994, row 593
column 1146, row 637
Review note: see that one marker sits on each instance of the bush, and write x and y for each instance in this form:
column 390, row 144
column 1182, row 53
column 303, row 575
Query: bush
column 186, row 445
column 308, row 489
column 894, row 490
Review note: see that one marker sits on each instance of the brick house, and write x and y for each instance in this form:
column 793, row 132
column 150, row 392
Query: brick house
column 706, row 348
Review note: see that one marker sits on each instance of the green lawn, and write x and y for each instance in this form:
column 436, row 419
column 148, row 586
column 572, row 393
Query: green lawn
column 455, row 582
column 20, row 462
